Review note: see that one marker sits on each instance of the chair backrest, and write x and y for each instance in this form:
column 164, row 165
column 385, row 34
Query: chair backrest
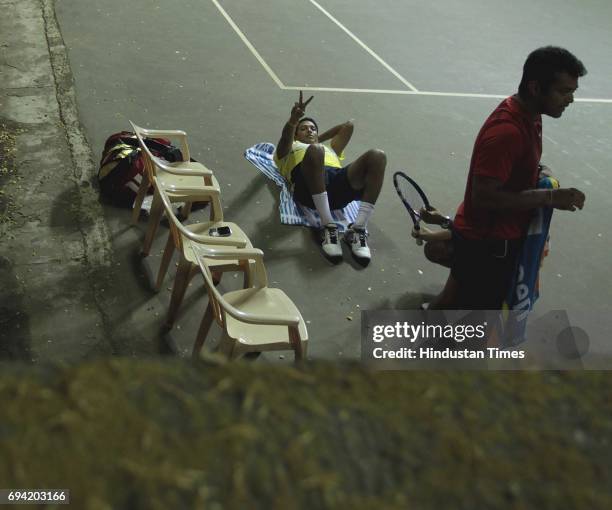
column 156, row 162
column 148, row 157
column 152, row 163
column 142, row 133
column 220, row 308
column 218, row 303
column 178, row 230
column 176, row 227
column 215, row 298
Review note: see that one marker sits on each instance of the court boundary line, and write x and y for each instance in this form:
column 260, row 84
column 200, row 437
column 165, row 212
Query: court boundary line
column 248, row 44
column 366, row 48
column 412, row 91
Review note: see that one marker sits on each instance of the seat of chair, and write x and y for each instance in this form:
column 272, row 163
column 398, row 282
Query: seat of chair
column 189, row 165
column 203, row 228
column 264, row 301
column 172, row 183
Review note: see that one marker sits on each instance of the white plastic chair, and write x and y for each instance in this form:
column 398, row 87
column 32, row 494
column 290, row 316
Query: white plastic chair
column 255, row 319
column 189, row 240
column 184, row 181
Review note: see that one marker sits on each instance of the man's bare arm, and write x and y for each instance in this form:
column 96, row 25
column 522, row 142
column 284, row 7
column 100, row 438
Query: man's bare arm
column 429, row 235
column 340, row 136
column 283, row 147
column 487, row 194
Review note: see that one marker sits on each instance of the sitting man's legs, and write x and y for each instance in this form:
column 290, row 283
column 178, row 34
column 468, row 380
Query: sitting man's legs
column 328, row 188
column 439, row 252
column 365, row 175
column 310, row 190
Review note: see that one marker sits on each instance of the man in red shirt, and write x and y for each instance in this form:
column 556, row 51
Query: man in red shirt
column 500, row 193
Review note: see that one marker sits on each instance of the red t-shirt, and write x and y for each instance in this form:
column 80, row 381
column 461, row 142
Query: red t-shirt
column 508, row 148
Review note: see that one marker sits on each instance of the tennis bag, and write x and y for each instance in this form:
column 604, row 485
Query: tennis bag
column 122, row 165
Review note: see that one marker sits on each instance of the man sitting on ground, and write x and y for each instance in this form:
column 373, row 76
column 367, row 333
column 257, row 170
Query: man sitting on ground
column 321, row 182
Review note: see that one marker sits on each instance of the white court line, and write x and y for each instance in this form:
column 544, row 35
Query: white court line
column 594, row 169
column 413, row 91
column 357, row 91
column 400, row 92
column 551, row 140
column 249, row 45
column 358, row 41
column 592, row 100
column 425, row 93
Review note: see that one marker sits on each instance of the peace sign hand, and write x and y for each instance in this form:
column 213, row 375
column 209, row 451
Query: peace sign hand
column 299, row 108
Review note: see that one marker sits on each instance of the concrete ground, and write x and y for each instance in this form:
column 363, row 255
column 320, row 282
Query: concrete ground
column 186, row 65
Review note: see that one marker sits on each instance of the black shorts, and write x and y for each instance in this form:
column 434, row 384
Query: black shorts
column 483, row 270
column 339, row 191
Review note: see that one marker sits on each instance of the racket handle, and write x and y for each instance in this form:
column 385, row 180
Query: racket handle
column 419, row 241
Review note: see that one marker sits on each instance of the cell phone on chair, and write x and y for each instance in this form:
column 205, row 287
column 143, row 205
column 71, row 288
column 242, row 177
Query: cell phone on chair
column 220, row 231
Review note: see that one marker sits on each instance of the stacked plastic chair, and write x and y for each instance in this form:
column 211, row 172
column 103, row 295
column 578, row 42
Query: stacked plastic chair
column 184, row 181
column 256, row 318
column 188, row 240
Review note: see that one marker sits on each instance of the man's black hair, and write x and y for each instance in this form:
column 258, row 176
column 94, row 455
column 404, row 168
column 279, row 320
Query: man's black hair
column 304, row 119
column 543, row 64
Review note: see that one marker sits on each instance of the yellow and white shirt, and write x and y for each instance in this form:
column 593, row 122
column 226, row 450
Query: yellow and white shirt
column 296, row 155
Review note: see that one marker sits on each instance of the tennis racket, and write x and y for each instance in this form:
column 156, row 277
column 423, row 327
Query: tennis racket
column 413, row 198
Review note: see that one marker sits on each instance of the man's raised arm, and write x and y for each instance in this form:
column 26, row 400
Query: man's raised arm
column 340, row 136
column 286, row 140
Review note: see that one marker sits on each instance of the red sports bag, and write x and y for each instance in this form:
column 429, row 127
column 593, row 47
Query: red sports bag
column 122, row 165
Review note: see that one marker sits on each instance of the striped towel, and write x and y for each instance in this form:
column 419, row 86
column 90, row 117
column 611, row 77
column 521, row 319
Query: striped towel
column 524, row 290
column 292, row 213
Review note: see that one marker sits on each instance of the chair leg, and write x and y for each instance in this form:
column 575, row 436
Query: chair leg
column 216, row 277
column 226, row 348
column 165, row 262
column 203, row 331
column 178, row 291
column 296, row 343
column 247, row 279
column 185, row 211
column 142, row 192
column 154, row 219
column 216, row 212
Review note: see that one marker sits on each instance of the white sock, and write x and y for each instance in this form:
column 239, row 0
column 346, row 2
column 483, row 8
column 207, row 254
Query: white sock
column 365, row 211
column 322, row 205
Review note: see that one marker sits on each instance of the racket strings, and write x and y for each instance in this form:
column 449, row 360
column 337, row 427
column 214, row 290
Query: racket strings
column 411, row 195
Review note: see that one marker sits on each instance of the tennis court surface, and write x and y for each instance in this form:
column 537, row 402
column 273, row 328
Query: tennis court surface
column 417, row 79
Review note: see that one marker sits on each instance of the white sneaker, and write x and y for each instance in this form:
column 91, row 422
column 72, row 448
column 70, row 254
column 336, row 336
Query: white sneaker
column 357, row 239
column 330, row 244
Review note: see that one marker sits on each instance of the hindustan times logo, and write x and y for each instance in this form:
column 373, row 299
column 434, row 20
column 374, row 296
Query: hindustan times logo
column 413, row 332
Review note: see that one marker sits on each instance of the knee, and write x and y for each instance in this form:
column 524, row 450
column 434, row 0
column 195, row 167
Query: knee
column 377, row 159
column 430, row 252
column 438, row 252
column 315, row 153
column 434, row 252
